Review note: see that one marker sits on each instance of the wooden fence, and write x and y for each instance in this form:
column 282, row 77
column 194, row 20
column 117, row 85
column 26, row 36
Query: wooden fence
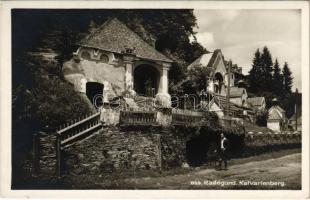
column 78, row 129
column 74, row 132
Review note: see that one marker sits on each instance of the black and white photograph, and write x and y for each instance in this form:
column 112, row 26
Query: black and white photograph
column 166, row 98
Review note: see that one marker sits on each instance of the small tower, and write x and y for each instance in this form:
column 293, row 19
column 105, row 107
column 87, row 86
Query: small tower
column 276, row 117
column 241, row 84
column 275, row 102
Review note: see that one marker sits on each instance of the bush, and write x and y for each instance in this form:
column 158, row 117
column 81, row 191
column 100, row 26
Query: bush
column 261, row 118
column 49, row 101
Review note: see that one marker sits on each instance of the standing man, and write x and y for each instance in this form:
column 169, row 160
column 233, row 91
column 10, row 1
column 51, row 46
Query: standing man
column 223, row 151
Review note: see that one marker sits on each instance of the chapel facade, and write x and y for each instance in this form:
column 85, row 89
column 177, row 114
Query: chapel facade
column 114, row 61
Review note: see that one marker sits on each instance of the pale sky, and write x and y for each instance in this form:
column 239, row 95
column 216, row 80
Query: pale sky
column 238, row 33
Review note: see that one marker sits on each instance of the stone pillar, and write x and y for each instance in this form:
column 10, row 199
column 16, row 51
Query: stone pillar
column 164, row 80
column 128, row 59
column 163, row 97
column 128, row 75
column 82, row 88
column 105, row 92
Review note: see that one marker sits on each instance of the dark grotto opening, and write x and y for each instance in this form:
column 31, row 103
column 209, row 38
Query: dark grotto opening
column 202, row 149
column 94, row 92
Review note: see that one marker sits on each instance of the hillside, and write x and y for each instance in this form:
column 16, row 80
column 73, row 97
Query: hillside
column 249, row 127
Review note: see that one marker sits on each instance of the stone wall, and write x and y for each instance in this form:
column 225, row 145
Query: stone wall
column 110, row 75
column 110, row 116
column 130, row 148
column 47, row 154
column 274, row 125
column 173, row 148
column 114, row 149
column 264, row 139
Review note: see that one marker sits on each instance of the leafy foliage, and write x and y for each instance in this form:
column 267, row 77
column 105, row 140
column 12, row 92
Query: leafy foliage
column 261, row 118
column 48, row 102
column 198, row 77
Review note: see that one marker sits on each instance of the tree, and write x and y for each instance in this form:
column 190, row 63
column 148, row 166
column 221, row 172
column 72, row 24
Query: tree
column 266, row 62
column 255, row 73
column 287, row 78
column 198, row 76
column 261, row 117
column 277, row 80
column 60, row 31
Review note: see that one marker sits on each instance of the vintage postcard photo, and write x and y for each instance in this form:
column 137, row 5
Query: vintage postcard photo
column 158, row 98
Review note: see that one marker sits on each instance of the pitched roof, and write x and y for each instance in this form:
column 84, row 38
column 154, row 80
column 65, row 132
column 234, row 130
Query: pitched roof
column 206, row 60
column 115, row 36
column 220, row 100
column 256, row 101
column 236, row 92
column 293, row 117
column 276, row 112
column 203, row 60
column 279, row 108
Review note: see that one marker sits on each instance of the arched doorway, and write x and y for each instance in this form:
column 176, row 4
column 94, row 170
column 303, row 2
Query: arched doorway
column 146, row 80
column 218, row 82
column 94, row 92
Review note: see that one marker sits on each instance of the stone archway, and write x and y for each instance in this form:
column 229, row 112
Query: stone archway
column 146, row 80
column 94, row 92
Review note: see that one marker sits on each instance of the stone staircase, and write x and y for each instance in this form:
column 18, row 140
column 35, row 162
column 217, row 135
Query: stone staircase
column 234, row 110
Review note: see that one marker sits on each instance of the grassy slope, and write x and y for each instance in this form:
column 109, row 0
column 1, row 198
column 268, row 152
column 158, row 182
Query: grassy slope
column 254, row 128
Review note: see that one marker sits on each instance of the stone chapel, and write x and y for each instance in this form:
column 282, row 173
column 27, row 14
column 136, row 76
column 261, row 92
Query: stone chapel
column 114, row 61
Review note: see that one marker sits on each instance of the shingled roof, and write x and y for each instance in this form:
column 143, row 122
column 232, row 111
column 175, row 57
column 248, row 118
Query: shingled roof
column 256, row 101
column 237, row 92
column 206, row 60
column 114, row 36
